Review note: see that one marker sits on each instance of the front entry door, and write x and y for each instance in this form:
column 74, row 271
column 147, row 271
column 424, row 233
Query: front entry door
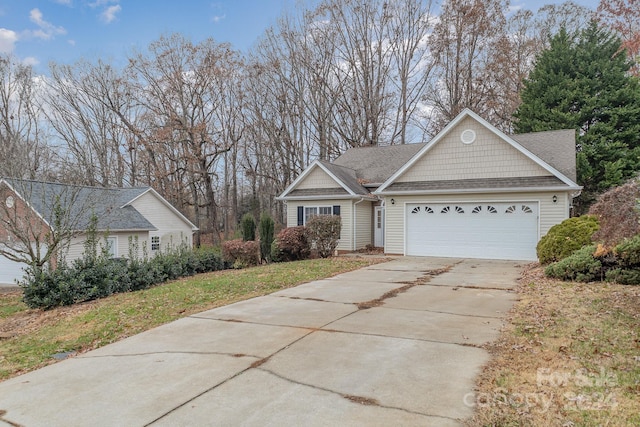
column 378, row 237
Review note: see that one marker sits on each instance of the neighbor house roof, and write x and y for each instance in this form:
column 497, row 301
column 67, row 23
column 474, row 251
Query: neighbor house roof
column 109, row 205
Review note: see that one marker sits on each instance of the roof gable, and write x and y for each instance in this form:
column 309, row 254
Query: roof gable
column 338, row 181
column 503, row 145
column 164, row 201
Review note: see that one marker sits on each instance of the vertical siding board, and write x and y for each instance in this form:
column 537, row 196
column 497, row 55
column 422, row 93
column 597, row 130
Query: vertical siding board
column 317, row 178
column 170, row 227
column 363, row 224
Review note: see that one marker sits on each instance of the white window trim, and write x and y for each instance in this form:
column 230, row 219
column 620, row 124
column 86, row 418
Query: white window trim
column 317, row 208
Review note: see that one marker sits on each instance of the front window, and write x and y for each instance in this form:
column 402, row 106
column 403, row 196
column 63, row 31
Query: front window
column 310, row 211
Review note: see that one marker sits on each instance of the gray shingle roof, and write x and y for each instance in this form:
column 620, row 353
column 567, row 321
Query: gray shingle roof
column 556, row 147
column 376, row 164
column 106, row 203
column 479, row 184
column 347, row 175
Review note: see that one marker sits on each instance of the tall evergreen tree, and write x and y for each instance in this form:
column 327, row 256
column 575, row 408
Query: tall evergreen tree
column 583, row 82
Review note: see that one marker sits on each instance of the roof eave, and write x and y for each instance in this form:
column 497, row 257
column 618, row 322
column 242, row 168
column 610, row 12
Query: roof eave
column 479, row 190
column 327, row 197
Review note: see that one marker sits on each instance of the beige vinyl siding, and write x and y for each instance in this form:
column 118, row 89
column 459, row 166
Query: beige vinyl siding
column 171, row 229
column 346, row 210
column 487, row 157
column 317, row 178
column 550, row 213
column 76, row 246
column 363, row 217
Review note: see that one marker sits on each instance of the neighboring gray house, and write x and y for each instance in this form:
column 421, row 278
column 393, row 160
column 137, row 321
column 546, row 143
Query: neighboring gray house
column 472, row 191
column 121, row 213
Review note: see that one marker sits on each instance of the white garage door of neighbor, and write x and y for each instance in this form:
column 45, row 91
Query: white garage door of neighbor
column 504, row 230
column 10, row 271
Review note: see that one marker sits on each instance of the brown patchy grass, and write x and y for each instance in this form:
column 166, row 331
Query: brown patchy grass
column 29, row 338
column 569, row 356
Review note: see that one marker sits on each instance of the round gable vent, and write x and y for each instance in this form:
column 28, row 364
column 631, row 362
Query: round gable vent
column 467, row 136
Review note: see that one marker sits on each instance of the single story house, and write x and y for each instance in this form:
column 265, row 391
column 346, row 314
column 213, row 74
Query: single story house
column 471, row 192
column 32, row 208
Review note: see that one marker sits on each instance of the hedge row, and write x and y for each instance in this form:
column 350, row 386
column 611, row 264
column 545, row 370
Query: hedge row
column 93, row 277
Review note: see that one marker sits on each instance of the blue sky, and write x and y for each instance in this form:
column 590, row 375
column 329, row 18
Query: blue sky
column 39, row 31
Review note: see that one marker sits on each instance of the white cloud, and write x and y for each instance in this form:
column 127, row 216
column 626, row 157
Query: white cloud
column 98, row 3
column 47, row 30
column 63, row 2
column 30, row 60
column 8, row 40
column 71, row 42
column 109, row 14
column 218, row 18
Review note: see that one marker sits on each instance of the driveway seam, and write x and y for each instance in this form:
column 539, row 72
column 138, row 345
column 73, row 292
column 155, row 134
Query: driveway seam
column 368, row 334
column 370, row 401
column 211, row 353
column 254, row 365
column 441, row 312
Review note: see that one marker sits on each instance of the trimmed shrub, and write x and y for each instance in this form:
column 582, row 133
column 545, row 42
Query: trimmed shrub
column 627, row 253
column 276, row 253
column 618, row 214
column 291, row 244
column 565, row 238
column 624, row 276
column 241, row 254
column 323, row 232
column 248, row 227
column 581, row 266
column 266, row 228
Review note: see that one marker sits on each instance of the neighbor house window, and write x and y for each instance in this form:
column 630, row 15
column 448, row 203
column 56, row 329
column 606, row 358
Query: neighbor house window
column 306, row 212
column 155, row 243
column 111, row 246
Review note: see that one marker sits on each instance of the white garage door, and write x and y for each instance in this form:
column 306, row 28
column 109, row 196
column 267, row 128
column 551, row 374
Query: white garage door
column 505, row 230
column 10, row 271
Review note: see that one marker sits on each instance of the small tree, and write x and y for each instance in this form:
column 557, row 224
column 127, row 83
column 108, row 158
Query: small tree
column 248, row 227
column 618, row 213
column 323, row 232
column 37, row 238
column 266, row 236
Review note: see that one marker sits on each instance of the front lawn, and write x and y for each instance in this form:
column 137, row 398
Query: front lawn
column 30, row 338
column 570, row 356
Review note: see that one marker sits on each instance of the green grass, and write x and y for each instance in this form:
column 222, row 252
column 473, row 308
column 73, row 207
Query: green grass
column 10, row 304
column 97, row 323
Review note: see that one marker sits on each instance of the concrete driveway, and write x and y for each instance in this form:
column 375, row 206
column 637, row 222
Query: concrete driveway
column 397, row 343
